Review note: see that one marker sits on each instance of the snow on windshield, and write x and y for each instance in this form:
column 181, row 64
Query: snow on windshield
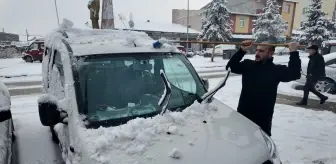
column 5, row 102
column 139, row 134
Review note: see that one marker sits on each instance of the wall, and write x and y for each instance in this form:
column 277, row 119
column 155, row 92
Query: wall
column 246, row 28
column 179, row 16
column 327, row 6
column 288, row 12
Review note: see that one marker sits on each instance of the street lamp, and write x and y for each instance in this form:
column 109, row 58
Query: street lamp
column 56, row 12
column 187, row 26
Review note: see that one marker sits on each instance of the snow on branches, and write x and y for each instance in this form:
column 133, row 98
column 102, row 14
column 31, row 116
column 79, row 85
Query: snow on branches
column 216, row 22
column 317, row 29
column 270, row 24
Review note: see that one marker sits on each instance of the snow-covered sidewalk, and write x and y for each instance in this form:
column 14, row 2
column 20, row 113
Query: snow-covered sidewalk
column 302, row 135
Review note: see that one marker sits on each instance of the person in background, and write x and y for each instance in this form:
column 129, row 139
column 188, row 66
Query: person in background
column 315, row 71
column 260, row 79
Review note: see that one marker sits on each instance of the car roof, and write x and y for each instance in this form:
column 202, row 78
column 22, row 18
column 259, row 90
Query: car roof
column 85, row 42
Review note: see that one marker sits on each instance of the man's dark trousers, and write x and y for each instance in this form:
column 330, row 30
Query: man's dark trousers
column 310, row 87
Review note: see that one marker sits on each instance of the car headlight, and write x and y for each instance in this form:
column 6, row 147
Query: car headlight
column 274, row 155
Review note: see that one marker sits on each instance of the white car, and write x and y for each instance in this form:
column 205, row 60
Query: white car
column 7, row 136
column 109, row 102
column 219, row 50
column 328, row 84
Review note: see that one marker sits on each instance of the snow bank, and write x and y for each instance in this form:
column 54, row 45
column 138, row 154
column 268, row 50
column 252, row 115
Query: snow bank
column 139, row 134
column 5, row 101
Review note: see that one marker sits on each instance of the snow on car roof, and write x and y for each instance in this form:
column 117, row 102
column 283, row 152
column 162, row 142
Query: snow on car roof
column 98, row 41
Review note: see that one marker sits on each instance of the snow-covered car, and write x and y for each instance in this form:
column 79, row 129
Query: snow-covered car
column 115, row 100
column 327, row 84
column 7, row 136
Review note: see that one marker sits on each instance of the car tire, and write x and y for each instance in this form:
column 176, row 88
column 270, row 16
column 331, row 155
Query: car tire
column 54, row 135
column 28, row 59
column 326, row 86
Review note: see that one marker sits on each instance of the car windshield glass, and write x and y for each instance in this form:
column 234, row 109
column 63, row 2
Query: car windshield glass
column 122, row 86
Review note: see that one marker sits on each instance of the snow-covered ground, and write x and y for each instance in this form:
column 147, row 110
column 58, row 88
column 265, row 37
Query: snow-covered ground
column 297, row 143
column 16, row 69
column 33, row 139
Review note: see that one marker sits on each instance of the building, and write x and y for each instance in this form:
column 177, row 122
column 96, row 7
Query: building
column 7, row 38
column 328, row 6
column 242, row 14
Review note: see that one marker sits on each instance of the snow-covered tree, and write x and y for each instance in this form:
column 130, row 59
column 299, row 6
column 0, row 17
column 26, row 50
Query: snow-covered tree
column 216, row 23
column 270, row 23
column 317, row 29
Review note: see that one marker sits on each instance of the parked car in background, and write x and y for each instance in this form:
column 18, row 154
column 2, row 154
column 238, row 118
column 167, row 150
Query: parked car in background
column 34, row 52
column 190, row 52
column 106, row 103
column 219, row 49
column 7, row 136
column 327, row 84
column 182, row 49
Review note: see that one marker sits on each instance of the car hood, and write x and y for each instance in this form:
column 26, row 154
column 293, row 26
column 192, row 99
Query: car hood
column 180, row 138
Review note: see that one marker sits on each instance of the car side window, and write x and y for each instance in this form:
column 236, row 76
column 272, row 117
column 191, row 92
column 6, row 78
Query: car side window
column 330, row 62
column 56, row 74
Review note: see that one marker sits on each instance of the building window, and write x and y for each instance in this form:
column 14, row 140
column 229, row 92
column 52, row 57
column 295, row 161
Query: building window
column 242, row 22
column 287, row 8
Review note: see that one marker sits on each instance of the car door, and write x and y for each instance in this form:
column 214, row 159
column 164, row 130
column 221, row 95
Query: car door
column 33, row 50
column 56, row 89
column 331, row 69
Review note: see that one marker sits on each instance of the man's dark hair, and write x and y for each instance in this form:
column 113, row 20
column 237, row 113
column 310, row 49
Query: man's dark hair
column 271, row 48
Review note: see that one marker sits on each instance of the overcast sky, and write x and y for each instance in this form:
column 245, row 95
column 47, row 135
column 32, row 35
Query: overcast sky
column 39, row 16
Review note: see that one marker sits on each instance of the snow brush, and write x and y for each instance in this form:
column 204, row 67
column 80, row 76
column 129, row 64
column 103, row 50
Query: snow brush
column 236, row 43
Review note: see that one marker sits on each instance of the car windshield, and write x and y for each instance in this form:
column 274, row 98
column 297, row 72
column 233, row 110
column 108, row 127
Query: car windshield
column 124, row 86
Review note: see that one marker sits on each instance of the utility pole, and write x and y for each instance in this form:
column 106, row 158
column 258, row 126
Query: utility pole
column 27, row 35
column 56, row 12
column 188, row 26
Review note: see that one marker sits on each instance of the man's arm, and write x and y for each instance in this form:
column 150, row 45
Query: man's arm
column 292, row 71
column 235, row 62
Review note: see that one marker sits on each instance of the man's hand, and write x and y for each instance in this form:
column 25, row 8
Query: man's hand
column 247, row 44
column 292, row 46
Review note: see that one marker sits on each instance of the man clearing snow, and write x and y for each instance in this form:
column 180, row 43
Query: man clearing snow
column 260, row 79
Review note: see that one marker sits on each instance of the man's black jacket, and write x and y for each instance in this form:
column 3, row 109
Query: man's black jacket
column 316, row 67
column 259, row 85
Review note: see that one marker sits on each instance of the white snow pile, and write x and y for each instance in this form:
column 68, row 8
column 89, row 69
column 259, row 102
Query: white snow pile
column 99, row 37
column 135, row 137
column 5, row 101
column 175, row 153
column 47, row 98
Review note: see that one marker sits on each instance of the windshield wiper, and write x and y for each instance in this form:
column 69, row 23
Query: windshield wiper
column 208, row 96
column 205, row 98
column 166, row 94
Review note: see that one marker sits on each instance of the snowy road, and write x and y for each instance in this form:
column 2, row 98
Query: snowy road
column 33, row 144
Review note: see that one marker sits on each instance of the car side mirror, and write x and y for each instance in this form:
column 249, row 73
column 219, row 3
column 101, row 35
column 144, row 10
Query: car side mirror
column 206, row 83
column 49, row 115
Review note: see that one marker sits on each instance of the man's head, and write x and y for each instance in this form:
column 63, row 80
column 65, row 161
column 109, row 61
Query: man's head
column 264, row 52
column 312, row 49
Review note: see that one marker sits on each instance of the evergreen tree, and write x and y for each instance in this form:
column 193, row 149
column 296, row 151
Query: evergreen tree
column 216, row 22
column 270, row 24
column 317, row 29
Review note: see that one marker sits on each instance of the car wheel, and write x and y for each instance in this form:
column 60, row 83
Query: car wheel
column 28, row 59
column 325, row 86
column 54, row 135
